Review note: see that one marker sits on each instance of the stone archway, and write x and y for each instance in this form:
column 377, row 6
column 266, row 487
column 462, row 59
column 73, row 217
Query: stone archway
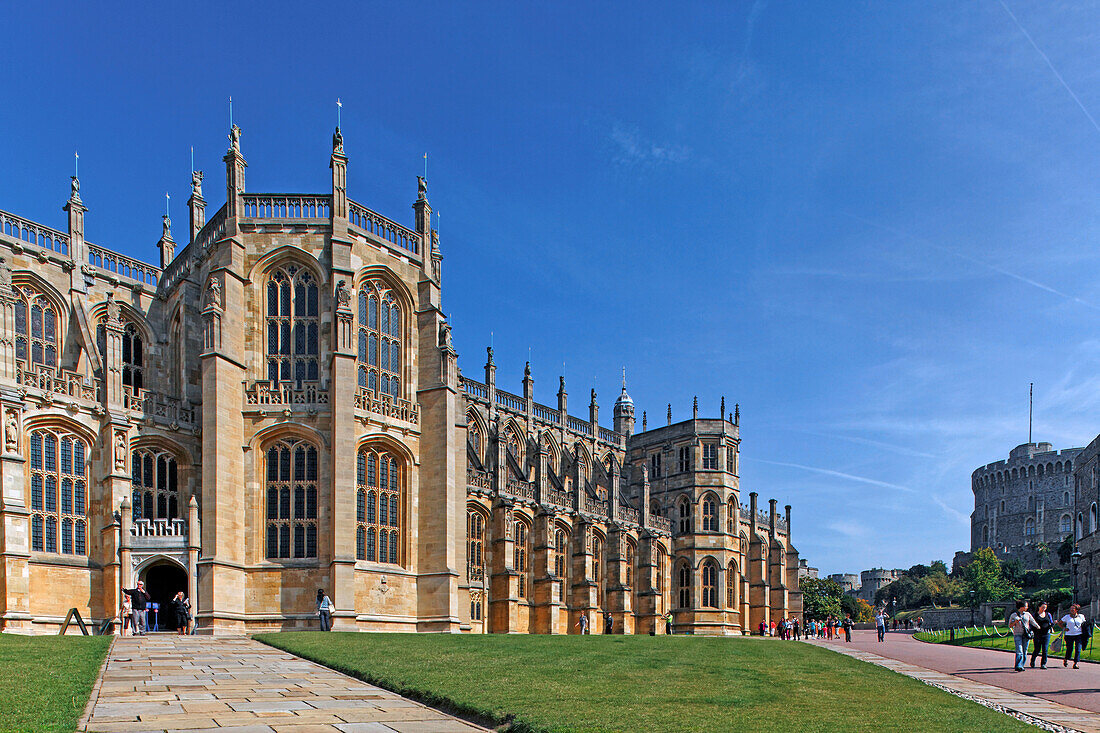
column 163, row 579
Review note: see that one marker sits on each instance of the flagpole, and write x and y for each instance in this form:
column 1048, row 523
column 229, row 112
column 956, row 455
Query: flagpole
column 1030, row 403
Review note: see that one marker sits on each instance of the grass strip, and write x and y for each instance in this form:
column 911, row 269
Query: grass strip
column 45, row 681
column 590, row 684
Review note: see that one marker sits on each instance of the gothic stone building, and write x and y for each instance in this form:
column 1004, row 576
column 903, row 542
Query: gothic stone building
column 278, row 408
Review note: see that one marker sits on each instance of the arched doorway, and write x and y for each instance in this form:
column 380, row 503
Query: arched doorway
column 163, row 580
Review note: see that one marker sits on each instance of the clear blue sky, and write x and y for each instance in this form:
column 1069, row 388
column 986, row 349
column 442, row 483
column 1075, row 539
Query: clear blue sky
column 871, row 224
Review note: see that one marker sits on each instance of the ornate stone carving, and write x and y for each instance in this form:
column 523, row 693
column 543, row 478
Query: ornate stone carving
column 421, row 188
column 343, row 296
column 445, row 336
column 214, row 293
column 5, row 275
column 235, row 139
column 337, row 141
column 196, row 184
column 11, row 431
column 75, row 186
column 120, row 450
column 113, row 309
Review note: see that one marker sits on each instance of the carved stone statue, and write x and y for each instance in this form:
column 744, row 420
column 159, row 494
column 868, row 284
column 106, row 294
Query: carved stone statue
column 421, row 188
column 196, row 184
column 11, row 435
column 337, row 141
column 75, row 194
column 214, row 292
column 5, row 275
column 120, row 451
column 445, row 335
column 343, row 295
column 167, row 226
column 235, row 139
column 113, row 309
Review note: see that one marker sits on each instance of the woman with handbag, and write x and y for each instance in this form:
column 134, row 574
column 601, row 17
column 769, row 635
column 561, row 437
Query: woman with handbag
column 1073, row 623
column 1042, row 636
column 1022, row 624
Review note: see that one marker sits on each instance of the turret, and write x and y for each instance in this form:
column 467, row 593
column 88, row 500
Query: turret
column 624, row 412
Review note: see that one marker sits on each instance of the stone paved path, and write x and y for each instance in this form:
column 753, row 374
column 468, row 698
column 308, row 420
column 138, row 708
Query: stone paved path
column 1065, row 697
column 236, row 685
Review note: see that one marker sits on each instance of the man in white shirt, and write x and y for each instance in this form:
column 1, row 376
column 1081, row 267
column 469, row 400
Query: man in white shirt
column 1073, row 622
column 880, row 623
column 1023, row 625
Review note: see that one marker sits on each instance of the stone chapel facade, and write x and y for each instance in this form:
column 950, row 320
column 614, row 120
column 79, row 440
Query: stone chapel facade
column 278, row 408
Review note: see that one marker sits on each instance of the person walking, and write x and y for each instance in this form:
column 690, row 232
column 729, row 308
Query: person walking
column 847, row 624
column 582, row 623
column 880, row 623
column 1022, row 625
column 668, row 624
column 608, row 623
column 139, row 599
column 182, row 608
column 797, row 630
column 1073, row 623
column 324, row 610
column 1041, row 642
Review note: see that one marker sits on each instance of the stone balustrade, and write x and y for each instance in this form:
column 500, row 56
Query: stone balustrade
column 57, row 382
column 286, row 206
column 123, row 266
column 629, row 514
column 558, row 498
column 520, row 489
column 659, row 523
column 478, row 479
column 595, row 506
column 263, row 392
column 475, row 389
column 159, row 528
column 511, row 401
column 362, row 218
column 160, row 407
column 27, row 231
column 387, row 406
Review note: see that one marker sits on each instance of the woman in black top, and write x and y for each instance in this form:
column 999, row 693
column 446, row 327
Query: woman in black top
column 183, row 613
column 1042, row 635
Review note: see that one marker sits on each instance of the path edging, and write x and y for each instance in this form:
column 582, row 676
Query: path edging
column 82, row 724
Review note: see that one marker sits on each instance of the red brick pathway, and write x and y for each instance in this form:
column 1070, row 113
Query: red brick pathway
column 1079, row 688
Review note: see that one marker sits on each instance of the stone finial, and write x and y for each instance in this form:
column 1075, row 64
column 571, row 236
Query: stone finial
column 234, row 139
column 337, row 141
column 695, row 408
column 527, row 370
column 421, row 188
column 196, row 184
column 489, row 352
column 561, row 385
column 593, row 395
column 722, row 411
column 643, row 421
column 669, row 413
column 74, row 193
column 166, row 225
column 737, row 414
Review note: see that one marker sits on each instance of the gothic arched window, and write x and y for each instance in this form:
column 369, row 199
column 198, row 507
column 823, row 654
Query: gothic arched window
column 154, row 484
column 379, row 339
column 683, row 585
column 1029, row 527
column 1065, row 526
column 597, row 568
column 629, row 564
column 291, row 500
column 710, row 584
column 684, row 510
column 731, row 585
column 561, row 545
column 36, row 329
column 522, row 552
column 710, row 513
column 293, row 323
column 59, row 492
column 380, row 477
column 475, row 545
column 731, row 516
column 133, row 354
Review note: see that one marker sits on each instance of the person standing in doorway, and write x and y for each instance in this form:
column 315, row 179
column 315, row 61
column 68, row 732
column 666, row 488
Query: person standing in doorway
column 139, row 599
column 1041, row 643
column 324, row 610
column 1022, row 625
column 1073, row 622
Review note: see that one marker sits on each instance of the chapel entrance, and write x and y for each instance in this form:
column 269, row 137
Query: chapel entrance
column 163, row 580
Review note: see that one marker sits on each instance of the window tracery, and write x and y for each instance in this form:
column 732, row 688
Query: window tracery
column 293, row 325
column 36, row 329
column 155, row 485
column 59, row 485
column 380, row 355
column 291, row 500
column 380, row 477
column 710, row 584
column 521, row 554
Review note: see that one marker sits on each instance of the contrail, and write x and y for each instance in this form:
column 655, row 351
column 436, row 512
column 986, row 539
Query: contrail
column 1050, row 65
column 866, row 441
column 837, row 474
column 974, row 260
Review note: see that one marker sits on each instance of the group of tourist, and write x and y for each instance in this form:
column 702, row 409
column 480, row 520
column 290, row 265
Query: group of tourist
column 136, row 603
column 1037, row 628
column 830, row 628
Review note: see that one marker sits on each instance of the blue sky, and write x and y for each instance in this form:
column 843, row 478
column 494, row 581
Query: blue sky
column 871, row 224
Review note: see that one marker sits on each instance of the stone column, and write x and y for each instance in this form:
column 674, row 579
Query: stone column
column 78, row 251
column 193, row 535
column 618, row 601
column 649, row 608
column 545, row 596
column 504, row 586
column 15, row 537
column 196, row 206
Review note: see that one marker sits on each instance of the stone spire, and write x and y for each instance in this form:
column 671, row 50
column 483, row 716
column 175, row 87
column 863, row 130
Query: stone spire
column 624, row 411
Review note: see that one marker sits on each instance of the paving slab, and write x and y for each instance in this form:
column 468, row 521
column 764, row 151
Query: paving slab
column 981, row 673
column 162, row 683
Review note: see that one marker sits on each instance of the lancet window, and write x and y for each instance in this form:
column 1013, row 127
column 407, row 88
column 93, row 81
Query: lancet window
column 155, row 485
column 561, row 545
column 293, row 326
column 133, row 354
column 710, row 584
column 683, row 585
column 710, row 513
column 59, row 489
column 379, row 340
column 291, row 500
column 522, row 551
column 380, row 477
column 731, row 585
column 475, row 551
column 36, row 329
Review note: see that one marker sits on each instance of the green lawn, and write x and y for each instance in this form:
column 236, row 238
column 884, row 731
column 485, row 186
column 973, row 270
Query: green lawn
column 643, row 683
column 45, row 681
column 982, row 637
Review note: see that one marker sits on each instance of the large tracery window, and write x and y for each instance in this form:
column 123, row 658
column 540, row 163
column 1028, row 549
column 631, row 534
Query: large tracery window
column 379, row 340
column 155, row 485
column 293, row 341
column 710, row 513
column 133, row 354
column 36, row 329
column 380, row 480
column 291, row 500
column 475, row 549
column 731, row 585
column 59, row 486
column 560, row 547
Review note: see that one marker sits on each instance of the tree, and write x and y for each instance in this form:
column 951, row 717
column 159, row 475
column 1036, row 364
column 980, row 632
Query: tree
column 938, row 566
column 983, row 576
column 1013, row 571
column 820, row 597
column 1044, row 552
column 864, row 612
column 1065, row 549
column 918, row 571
